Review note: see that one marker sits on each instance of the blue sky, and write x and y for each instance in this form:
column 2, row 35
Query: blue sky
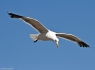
column 17, row 49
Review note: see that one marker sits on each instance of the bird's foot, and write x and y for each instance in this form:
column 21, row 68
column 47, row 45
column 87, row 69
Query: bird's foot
column 35, row 41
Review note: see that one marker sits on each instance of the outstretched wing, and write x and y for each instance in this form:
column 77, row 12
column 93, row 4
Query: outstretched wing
column 33, row 22
column 72, row 38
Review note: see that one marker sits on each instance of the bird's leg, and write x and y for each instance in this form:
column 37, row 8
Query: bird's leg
column 35, row 40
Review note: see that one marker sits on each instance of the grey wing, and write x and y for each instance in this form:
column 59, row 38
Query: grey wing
column 39, row 27
column 33, row 22
column 72, row 38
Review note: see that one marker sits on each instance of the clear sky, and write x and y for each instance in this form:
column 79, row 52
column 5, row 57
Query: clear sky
column 17, row 49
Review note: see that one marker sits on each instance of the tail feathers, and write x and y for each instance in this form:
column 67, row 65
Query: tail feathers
column 34, row 36
column 14, row 15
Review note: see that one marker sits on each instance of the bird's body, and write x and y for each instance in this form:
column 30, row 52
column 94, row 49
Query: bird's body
column 50, row 35
column 46, row 34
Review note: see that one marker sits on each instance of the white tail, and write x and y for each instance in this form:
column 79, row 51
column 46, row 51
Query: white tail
column 34, row 36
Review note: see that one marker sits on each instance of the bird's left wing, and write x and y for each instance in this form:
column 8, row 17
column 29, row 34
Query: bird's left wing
column 72, row 38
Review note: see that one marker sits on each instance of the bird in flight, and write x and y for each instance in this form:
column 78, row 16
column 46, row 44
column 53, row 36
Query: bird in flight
column 46, row 34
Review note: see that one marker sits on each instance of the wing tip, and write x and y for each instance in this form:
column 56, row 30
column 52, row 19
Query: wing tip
column 12, row 15
column 83, row 44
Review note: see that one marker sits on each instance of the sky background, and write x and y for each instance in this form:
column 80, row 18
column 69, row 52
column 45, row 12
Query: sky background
column 19, row 52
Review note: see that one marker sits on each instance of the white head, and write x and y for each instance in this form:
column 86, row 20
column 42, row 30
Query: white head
column 56, row 40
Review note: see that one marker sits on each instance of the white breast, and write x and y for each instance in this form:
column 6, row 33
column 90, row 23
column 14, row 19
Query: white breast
column 47, row 36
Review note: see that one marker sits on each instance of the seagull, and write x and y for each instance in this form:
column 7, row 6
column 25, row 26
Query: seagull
column 45, row 34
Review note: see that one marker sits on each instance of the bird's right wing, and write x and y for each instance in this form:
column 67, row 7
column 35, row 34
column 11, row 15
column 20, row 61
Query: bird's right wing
column 72, row 38
column 33, row 22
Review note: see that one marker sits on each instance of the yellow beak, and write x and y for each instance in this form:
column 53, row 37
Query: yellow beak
column 57, row 44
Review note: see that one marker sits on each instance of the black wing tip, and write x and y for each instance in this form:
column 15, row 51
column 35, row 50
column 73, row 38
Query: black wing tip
column 83, row 44
column 14, row 15
column 10, row 14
